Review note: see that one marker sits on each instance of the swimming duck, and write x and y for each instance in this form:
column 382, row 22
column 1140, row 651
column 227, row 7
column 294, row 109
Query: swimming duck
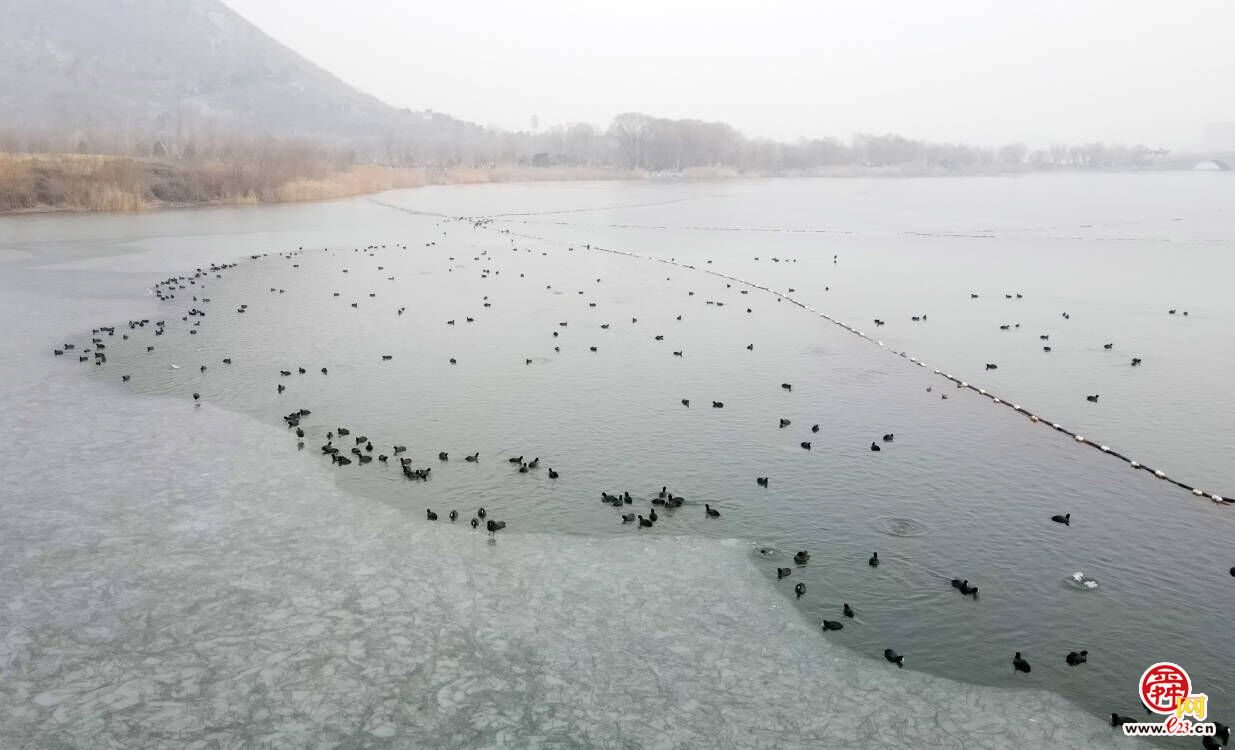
column 761, row 481
column 1074, row 658
column 1065, row 519
column 494, row 526
column 472, row 458
column 552, row 474
column 480, row 513
column 833, row 625
column 1019, row 664
column 800, row 589
column 718, row 405
column 874, row 561
column 784, row 423
column 685, row 402
column 644, row 523
column 875, row 447
column 802, row 557
column 889, row 437
column 814, row 428
column 628, row 517
column 443, row 456
column 518, row 460
column 891, row 655
column 430, row 515
column 1092, row 399
column 805, row 444
column 782, row 573
column 712, row 513
column 847, row 610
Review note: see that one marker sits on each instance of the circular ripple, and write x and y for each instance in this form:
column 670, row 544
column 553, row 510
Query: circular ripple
column 894, row 526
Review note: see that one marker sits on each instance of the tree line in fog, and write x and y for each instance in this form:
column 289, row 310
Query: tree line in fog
column 631, row 141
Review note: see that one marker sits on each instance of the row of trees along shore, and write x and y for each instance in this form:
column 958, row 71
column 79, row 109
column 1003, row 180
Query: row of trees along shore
column 79, row 169
column 631, row 141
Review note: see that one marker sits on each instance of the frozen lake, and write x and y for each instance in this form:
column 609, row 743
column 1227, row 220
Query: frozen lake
column 183, row 575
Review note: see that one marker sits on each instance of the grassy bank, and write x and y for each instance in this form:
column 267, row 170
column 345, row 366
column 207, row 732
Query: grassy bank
column 75, row 182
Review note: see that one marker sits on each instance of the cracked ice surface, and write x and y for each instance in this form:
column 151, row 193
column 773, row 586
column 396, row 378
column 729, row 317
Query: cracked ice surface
column 176, row 577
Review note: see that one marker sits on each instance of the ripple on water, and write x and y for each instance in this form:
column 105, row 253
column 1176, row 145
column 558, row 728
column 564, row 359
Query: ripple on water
column 899, row 526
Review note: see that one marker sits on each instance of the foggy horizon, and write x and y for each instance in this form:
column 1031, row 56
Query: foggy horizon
column 1046, row 73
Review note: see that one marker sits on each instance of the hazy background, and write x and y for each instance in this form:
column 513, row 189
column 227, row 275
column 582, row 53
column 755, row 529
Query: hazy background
column 969, row 70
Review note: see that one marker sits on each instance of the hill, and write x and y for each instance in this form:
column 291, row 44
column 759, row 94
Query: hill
column 173, row 71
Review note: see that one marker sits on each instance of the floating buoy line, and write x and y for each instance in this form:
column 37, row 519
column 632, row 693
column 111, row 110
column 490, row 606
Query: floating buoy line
column 485, row 222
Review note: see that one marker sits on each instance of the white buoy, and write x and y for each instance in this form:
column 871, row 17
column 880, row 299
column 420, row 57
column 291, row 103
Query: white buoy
column 1216, row 498
column 1056, row 426
column 982, row 391
column 996, row 401
column 175, row 367
column 1105, row 448
column 1033, row 418
column 1198, row 493
column 1079, row 439
column 1135, row 464
column 1158, row 473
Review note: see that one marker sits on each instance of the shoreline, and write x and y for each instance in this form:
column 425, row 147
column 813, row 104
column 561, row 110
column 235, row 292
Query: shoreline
column 92, row 194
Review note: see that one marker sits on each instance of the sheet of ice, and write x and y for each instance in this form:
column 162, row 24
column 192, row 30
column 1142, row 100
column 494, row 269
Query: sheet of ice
column 175, row 576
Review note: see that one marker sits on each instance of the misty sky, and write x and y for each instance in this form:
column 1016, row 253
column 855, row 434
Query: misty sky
column 981, row 71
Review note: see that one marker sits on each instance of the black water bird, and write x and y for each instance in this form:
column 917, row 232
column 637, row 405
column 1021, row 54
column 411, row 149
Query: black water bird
column 761, row 481
column 805, row 444
column 891, row 655
column 786, row 386
column 685, row 402
column 814, row 428
column 712, row 512
column 494, row 526
column 443, row 456
column 800, row 590
column 1065, row 519
column 472, row 458
column 782, row 573
column 518, row 460
column 874, row 561
column 628, row 518
column 847, row 610
column 802, row 557
column 875, row 447
column 430, row 515
column 1075, row 659
column 552, row 474
column 1092, row 399
column 718, row 405
column 644, row 523
column 652, row 516
column 475, row 522
column 1019, row 663
column 480, row 513
column 833, row 625
column 784, row 423
column 889, row 437
column 1119, row 721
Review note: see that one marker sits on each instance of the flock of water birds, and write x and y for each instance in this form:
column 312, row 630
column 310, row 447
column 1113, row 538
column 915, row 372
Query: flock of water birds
column 360, row 450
